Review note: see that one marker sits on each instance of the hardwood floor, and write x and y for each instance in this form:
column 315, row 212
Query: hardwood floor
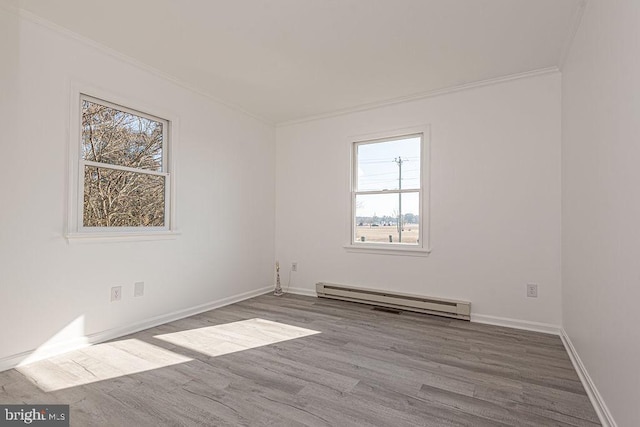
column 299, row 360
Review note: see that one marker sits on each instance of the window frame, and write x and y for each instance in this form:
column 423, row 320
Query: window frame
column 76, row 230
column 421, row 248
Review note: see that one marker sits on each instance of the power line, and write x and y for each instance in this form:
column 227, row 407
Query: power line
column 382, row 160
column 398, row 160
column 365, row 175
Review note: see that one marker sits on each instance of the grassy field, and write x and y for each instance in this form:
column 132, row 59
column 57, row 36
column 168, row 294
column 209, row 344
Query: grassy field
column 381, row 233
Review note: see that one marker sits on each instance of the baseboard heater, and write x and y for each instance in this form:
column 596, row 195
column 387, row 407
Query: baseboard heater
column 397, row 300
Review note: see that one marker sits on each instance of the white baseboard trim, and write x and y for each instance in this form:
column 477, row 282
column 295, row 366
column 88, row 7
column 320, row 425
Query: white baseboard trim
column 43, row 352
column 302, row 291
column 526, row 325
column 110, row 334
column 606, row 419
column 10, row 362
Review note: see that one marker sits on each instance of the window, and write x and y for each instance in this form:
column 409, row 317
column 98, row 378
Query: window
column 123, row 169
column 387, row 193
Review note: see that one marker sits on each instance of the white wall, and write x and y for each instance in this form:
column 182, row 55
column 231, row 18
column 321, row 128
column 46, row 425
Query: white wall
column 495, row 199
column 225, row 198
column 601, row 202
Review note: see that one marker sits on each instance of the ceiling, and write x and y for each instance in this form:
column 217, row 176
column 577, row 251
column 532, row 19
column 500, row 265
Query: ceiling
column 285, row 60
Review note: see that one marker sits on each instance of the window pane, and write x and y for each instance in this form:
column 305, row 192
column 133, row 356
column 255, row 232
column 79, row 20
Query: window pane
column 115, row 198
column 120, row 138
column 387, row 218
column 385, row 165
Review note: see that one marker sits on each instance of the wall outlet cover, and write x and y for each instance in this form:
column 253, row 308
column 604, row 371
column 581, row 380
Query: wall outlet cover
column 116, row 293
column 138, row 289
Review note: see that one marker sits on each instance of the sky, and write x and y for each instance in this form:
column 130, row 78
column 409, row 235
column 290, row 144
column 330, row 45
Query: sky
column 378, row 169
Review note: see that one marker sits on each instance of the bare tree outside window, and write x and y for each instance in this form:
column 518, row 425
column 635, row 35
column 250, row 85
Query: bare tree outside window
column 124, row 163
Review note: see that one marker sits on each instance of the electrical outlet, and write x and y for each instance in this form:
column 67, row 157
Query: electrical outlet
column 532, row 290
column 294, row 266
column 138, row 289
column 116, row 293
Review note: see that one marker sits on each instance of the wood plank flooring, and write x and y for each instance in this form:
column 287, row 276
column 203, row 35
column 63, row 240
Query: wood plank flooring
column 295, row 361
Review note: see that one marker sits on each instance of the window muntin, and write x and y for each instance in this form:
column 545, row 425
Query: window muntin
column 124, row 180
column 387, row 191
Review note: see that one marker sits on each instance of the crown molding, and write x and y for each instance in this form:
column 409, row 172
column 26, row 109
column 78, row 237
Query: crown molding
column 423, row 95
column 33, row 18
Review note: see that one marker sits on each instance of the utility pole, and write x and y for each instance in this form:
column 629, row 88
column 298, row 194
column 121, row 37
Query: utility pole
column 398, row 160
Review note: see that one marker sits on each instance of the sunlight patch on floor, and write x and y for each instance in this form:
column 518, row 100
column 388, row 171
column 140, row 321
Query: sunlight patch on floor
column 237, row 336
column 70, row 336
column 98, row 363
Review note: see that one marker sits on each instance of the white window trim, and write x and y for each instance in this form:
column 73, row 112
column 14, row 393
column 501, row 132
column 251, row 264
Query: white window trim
column 421, row 249
column 75, row 229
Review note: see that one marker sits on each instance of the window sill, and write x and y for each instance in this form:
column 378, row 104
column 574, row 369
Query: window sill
column 121, row 236
column 388, row 250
